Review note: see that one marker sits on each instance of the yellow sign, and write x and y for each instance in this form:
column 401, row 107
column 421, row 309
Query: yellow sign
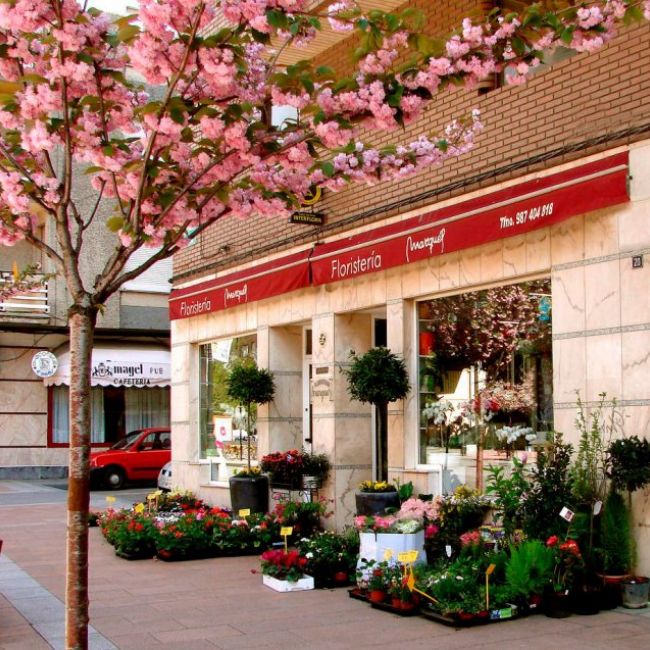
column 244, row 512
column 151, row 497
column 388, row 554
column 490, row 569
column 286, row 530
column 110, row 499
column 139, row 508
column 312, row 196
column 410, row 582
column 407, row 557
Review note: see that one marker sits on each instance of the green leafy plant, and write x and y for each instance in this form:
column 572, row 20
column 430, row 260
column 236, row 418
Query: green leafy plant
column 509, row 491
column 378, row 377
column 589, row 471
column 629, row 463
column 529, row 568
column 614, row 550
column 248, row 385
column 549, row 489
column 328, row 553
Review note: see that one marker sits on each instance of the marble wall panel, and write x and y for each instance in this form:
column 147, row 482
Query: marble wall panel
column 470, row 267
column 353, row 438
column 449, row 271
column 15, row 363
column 396, row 441
column 601, row 232
column 185, row 444
column 568, row 240
column 564, row 423
column 602, row 295
column 23, row 429
column 180, row 402
column 633, row 230
column 514, row 256
column 34, row 457
column 568, row 289
column 411, row 276
column 604, row 372
column 635, row 355
column 538, row 250
column 491, row 262
column 635, row 291
column 23, row 396
column 429, row 276
column 345, row 484
column 569, row 369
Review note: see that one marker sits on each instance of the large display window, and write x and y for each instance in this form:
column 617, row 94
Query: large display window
column 222, row 423
column 485, row 369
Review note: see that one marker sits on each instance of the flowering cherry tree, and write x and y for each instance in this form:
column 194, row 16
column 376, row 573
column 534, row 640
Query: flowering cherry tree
column 74, row 111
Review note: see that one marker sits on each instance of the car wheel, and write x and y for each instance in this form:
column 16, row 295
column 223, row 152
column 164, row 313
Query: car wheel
column 114, row 478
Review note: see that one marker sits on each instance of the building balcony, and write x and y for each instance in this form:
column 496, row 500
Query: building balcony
column 29, row 301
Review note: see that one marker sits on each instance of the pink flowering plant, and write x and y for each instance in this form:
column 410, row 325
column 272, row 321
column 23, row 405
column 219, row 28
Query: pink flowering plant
column 413, row 516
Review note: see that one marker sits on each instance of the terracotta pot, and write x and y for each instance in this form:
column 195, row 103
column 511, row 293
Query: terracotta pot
column 377, row 596
column 341, row 577
column 396, row 603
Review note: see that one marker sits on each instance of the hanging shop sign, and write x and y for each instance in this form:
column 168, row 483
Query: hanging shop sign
column 44, row 363
column 259, row 282
column 505, row 213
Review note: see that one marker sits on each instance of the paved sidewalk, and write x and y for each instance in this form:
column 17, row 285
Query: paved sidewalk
column 220, row 603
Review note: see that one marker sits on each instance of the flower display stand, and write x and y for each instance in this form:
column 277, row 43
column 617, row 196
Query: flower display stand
column 304, row 584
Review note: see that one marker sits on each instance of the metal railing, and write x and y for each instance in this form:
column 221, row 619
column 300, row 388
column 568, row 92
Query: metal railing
column 32, row 302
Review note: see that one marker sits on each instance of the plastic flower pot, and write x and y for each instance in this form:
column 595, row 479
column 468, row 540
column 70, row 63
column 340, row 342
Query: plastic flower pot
column 635, row 592
column 249, row 493
column 376, row 596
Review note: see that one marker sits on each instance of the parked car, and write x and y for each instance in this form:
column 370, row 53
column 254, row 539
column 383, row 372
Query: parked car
column 165, row 478
column 139, row 456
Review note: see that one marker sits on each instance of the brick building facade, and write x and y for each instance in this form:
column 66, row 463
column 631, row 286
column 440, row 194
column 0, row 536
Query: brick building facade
column 577, row 136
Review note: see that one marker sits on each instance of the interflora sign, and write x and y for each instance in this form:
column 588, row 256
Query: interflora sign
column 505, row 213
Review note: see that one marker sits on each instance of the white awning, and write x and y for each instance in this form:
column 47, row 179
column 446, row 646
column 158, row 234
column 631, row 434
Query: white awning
column 130, row 367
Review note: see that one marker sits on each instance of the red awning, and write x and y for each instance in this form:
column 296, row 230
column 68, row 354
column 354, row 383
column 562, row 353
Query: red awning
column 262, row 281
column 512, row 211
column 505, row 213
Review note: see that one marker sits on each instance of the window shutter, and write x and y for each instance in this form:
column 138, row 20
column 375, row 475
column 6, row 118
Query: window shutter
column 155, row 279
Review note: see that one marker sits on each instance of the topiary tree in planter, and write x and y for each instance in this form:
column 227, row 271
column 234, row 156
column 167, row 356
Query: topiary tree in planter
column 629, row 469
column 379, row 377
column 249, row 385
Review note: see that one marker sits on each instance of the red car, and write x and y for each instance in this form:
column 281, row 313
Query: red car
column 139, row 456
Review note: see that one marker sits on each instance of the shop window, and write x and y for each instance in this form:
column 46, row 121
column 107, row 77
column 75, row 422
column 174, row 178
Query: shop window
column 485, row 364
column 115, row 411
column 222, row 423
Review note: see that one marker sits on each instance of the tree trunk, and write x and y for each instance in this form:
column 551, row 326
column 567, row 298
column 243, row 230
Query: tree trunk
column 82, row 329
column 382, row 441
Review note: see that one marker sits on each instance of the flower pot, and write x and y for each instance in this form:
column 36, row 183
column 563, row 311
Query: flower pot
column 249, row 493
column 396, row 603
column 557, row 604
column 610, row 595
column 586, row 601
column 305, row 583
column 635, row 592
column 375, row 503
column 341, row 578
column 376, row 596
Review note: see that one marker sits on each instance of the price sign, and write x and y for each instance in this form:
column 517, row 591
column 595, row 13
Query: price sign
column 489, row 571
column 407, row 557
column 244, row 512
column 139, row 508
column 110, row 500
column 388, row 554
column 567, row 514
column 285, row 531
column 448, row 550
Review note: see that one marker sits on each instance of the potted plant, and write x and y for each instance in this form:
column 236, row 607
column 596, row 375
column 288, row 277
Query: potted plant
column 249, row 385
column 378, row 377
column 316, row 468
column 376, row 497
column 567, row 562
column 331, row 557
column 285, row 570
column 529, row 570
column 629, row 469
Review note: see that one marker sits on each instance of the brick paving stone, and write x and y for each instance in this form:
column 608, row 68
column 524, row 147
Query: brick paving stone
column 219, row 603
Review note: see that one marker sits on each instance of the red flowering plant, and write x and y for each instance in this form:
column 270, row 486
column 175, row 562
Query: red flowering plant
column 286, row 468
column 568, row 562
column 284, row 565
column 131, row 532
column 188, row 534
